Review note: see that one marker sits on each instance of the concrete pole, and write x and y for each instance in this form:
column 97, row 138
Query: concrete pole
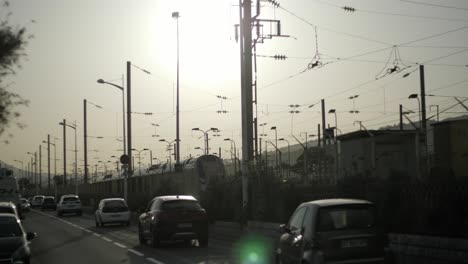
column 323, row 123
column 48, row 162
column 85, row 141
column 64, row 153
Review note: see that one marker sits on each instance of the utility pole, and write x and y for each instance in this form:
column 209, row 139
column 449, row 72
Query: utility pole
column 129, row 122
column 40, row 167
column 318, row 135
column 48, row 161
column 35, row 172
column 324, row 133
column 401, row 117
column 85, row 141
column 64, row 152
column 423, row 117
column 423, row 104
column 246, row 98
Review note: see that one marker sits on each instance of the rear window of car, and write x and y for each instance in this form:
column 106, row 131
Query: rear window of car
column 180, row 205
column 24, row 200
column 114, row 206
column 49, row 200
column 38, row 198
column 71, row 199
column 345, row 217
column 7, row 210
column 9, row 227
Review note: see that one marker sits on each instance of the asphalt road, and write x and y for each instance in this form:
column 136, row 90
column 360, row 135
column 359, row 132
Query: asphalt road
column 73, row 239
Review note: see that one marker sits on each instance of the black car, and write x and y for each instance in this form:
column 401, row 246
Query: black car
column 173, row 218
column 48, row 203
column 332, row 231
column 14, row 242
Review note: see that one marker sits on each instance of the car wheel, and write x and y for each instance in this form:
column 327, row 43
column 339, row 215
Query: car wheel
column 59, row 213
column 154, row 239
column 128, row 223
column 141, row 238
column 79, row 213
column 96, row 221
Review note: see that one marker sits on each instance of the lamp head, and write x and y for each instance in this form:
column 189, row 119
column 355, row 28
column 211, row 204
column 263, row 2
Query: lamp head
column 175, row 15
column 101, row 81
column 413, row 96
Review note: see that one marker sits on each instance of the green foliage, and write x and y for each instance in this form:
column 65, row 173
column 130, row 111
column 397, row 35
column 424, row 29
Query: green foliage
column 12, row 46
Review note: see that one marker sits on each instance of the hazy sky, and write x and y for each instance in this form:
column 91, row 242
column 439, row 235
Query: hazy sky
column 77, row 42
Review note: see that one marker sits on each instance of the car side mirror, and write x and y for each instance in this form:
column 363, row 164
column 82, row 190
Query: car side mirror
column 284, row 228
column 31, row 235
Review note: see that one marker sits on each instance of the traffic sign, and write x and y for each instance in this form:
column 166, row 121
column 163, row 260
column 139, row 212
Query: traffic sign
column 124, row 159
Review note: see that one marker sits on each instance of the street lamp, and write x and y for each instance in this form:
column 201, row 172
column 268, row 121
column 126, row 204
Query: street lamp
column 235, row 151
column 85, row 134
column 415, row 96
column 289, row 154
column 139, row 158
column 176, row 16
column 76, row 162
column 333, row 111
column 205, row 133
column 121, row 88
column 169, row 150
column 276, row 142
column 202, row 150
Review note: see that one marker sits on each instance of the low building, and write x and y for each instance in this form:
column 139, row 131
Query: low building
column 382, row 154
column 451, row 149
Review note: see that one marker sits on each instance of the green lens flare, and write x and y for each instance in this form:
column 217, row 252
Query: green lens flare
column 254, row 250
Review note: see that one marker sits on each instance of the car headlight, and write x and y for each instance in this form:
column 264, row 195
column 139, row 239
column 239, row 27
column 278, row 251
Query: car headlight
column 21, row 252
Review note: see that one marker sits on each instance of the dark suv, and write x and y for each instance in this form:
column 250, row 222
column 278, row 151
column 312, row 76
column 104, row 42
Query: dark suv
column 332, row 231
column 173, row 218
column 49, row 203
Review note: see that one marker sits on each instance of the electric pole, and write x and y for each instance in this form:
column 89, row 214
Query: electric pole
column 85, row 141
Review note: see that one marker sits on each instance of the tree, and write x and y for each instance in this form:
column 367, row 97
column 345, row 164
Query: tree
column 13, row 41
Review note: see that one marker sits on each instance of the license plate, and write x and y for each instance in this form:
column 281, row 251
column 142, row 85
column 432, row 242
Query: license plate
column 353, row 243
column 184, row 225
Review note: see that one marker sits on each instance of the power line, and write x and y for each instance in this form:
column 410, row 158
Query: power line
column 434, row 5
column 352, row 10
column 332, row 30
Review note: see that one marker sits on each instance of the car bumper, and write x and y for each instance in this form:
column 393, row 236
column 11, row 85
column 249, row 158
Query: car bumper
column 115, row 218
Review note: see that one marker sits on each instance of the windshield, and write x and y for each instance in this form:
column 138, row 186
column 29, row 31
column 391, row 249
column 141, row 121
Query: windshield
column 114, row 207
column 49, row 200
column 7, row 210
column 71, row 199
column 38, row 198
column 338, row 218
column 9, row 227
column 180, row 205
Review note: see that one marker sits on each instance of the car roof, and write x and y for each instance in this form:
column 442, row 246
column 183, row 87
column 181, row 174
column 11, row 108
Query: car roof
column 9, row 215
column 337, row 202
column 50, row 197
column 38, row 196
column 7, row 204
column 176, row 197
column 112, row 199
column 69, row 195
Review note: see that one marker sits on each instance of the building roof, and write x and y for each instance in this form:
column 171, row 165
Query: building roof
column 366, row 134
column 335, row 202
column 449, row 122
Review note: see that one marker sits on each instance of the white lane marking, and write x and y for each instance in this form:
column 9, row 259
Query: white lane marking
column 152, row 260
column 136, row 252
column 96, row 234
column 119, row 245
column 107, row 239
